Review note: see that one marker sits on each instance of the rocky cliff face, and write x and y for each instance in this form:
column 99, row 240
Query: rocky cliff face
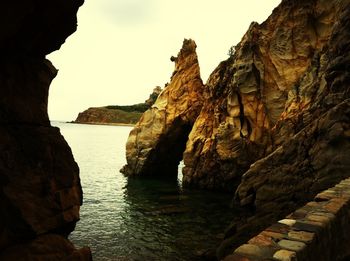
column 257, row 90
column 103, row 115
column 156, row 144
column 274, row 124
column 40, row 191
column 312, row 145
column 253, row 100
column 119, row 114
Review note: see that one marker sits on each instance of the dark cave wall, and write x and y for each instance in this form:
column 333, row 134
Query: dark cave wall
column 40, row 193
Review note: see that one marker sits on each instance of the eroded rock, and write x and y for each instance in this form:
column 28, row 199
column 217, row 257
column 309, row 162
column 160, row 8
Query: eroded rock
column 156, row 144
column 255, row 101
column 274, row 124
column 310, row 140
column 255, row 90
column 39, row 179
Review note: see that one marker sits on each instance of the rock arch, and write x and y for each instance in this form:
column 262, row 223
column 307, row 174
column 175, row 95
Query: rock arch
column 156, row 144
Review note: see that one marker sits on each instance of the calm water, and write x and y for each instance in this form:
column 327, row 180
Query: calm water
column 138, row 219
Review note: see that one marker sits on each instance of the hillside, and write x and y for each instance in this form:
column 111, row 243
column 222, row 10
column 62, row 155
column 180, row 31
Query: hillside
column 117, row 114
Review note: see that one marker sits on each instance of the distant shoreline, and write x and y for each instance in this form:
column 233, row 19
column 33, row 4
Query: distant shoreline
column 104, row 123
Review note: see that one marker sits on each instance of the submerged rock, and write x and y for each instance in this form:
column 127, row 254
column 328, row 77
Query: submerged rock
column 156, row 144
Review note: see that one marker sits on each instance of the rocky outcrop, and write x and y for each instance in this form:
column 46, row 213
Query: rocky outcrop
column 257, row 90
column 40, row 186
column 254, row 101
column 156, row 144
column 118, row 114
column 312, row 144
column 274, row 124
column 153, row 96
column 103, row 115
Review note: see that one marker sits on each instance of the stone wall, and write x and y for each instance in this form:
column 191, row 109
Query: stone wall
column 318, row 231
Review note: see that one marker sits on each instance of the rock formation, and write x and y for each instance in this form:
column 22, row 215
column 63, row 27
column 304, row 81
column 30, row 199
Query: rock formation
column 312, row 145
column 156, row 144
column 104, row 115
column 153, row 96
column 275, row 119
column 40, row 186
column 255, row 90
column 119, row 114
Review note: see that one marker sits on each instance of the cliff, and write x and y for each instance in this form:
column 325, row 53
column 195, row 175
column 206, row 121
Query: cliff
column 40, row 192
column 155, row 145
column 103, row 115
column 118, row 114
column 311, row 139
column 258, row 92
column 274, row 123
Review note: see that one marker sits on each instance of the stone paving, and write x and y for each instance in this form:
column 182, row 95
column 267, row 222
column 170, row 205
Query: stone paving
column 320, row 230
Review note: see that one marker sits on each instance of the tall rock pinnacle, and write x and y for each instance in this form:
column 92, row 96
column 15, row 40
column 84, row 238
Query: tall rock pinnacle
column 156, row 144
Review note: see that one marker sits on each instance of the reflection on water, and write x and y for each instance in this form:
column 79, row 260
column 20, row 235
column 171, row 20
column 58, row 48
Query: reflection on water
column 138, row 219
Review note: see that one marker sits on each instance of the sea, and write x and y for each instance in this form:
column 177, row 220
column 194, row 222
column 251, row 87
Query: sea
column 138, row 219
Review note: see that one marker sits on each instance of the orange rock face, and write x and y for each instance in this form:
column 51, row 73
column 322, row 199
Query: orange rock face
column 253, row 102
column 274, row 120
column 310, row 141
column 156, row 144
column 255, row 89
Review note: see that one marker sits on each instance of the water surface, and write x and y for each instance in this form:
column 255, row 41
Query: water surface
column 138, row 219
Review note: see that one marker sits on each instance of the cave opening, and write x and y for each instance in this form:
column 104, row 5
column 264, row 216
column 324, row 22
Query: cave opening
column 166, row 158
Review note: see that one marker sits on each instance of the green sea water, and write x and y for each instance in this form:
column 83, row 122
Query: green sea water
column 138, row 219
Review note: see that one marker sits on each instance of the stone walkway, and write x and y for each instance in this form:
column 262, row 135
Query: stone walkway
column 320, row 230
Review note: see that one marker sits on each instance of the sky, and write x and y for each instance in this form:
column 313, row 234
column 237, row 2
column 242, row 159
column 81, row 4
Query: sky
column 122, row 48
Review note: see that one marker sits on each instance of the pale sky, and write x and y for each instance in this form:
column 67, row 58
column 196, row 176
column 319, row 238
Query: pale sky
column 122, row 48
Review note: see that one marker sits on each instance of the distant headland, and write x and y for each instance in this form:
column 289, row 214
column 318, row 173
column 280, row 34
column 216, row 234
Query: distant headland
column 117, row 114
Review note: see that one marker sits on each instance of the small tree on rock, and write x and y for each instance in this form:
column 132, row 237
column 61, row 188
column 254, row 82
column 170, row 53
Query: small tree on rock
column 231, row 51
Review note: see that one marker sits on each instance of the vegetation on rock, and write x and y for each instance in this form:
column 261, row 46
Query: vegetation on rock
column 119, row 114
